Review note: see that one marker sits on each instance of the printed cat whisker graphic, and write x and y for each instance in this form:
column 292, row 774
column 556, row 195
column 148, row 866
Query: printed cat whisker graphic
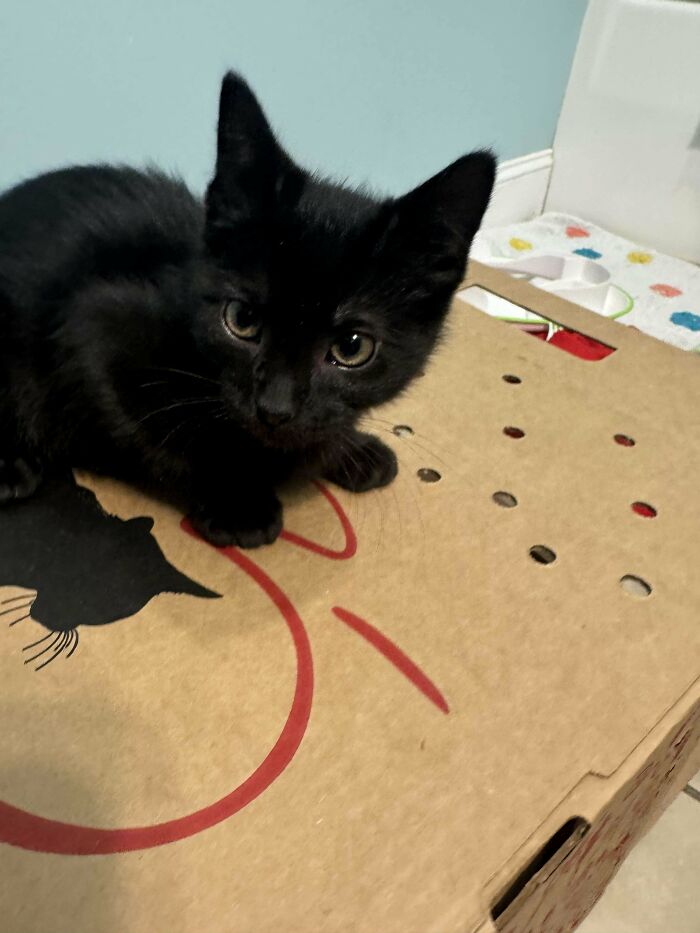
column 15, row 608
column 60, row 642
column 40, row 641
column 21, row 619
column 16, row 599
column 20, row 608
column 42, row 576
column 58, row 648
column 75, row 638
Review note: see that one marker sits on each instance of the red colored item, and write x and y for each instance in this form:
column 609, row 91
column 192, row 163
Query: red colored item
column 585, row 348
column 644, row 509
column 668, row 291
column 395, row 655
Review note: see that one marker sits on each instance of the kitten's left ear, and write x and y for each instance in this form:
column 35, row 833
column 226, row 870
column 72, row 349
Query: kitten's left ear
column 435, row 223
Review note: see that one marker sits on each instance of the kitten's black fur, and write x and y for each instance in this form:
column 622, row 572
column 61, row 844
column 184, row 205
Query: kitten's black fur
column 115, row 354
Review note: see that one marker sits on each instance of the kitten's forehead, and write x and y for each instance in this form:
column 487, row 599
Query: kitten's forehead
column 323, row 247
column 324, row 203
column 311, row 256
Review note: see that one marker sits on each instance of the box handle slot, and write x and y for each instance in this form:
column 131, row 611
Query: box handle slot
column 553, row 852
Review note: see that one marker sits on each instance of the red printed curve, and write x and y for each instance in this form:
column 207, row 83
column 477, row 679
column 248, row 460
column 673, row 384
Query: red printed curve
column 395, row 655
column 350, row 548
column 29, row 831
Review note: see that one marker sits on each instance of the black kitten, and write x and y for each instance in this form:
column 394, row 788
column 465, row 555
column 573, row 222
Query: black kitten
column 210, row 349
column 86, row 567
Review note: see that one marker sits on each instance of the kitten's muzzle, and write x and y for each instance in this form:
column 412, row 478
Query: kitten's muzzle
column 277, row 401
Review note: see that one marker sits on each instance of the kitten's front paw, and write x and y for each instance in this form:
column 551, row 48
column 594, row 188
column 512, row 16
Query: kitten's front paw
column 369, row 464
column 252, row 526
column 19, row 478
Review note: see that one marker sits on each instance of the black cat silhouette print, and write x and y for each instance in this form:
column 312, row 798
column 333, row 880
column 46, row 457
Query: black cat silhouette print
column 77, row 565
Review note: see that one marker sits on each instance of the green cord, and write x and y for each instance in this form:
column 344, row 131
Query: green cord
column 611, row 317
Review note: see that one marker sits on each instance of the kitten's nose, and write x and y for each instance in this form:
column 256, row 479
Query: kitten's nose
column 276, row 404
column 274, row 416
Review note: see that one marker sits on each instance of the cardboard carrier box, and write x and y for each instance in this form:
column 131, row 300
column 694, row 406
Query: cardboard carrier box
column 453, row 705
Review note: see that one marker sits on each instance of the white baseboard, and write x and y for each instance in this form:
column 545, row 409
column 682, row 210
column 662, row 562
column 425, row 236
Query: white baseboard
column 520, row 189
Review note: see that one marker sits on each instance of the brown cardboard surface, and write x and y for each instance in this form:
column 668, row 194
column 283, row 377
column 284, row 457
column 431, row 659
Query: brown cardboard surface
column 261, row 763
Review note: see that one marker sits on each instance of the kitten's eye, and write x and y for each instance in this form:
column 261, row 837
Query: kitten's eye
column 352, row 350
column 242, row 320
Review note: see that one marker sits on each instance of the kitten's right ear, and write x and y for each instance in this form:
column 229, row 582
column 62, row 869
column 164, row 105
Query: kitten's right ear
column 250, row 163
column 245, row 141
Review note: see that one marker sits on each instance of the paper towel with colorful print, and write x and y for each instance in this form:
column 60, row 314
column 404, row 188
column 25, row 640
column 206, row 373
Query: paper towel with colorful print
column 664, row 293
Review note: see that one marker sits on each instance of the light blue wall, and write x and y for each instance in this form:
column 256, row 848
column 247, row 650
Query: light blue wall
column 381, row 90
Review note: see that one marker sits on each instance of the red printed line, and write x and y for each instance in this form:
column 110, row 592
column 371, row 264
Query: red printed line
column 395, row 655
column 30, row 831
column 350, row 548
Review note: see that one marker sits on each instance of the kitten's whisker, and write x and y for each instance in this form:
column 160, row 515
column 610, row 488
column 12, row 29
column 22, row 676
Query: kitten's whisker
column 410, row 442
column 427, row 450
column 17, row 608
column 182, row 424
column 415, row 497
column 191, row 420
column 351, row 453
column 15, row 599
column 58, row 637
column 181, row 403
column 419, row 450
column 183, row 372
column 417, row 504
column 407, row 437
column 221, row 414
column 397, row 502
column 21, row 619
column 56, row 653
column 380, row 536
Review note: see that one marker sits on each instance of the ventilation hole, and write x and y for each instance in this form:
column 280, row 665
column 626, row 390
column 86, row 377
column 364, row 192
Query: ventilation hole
column 624, row 440
column 427, row 475
column 542, row 555
column 644, row 509
column 635, row 586
column 511, row 431
column 505, row 499
column 402, row 430
column 513, row 380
